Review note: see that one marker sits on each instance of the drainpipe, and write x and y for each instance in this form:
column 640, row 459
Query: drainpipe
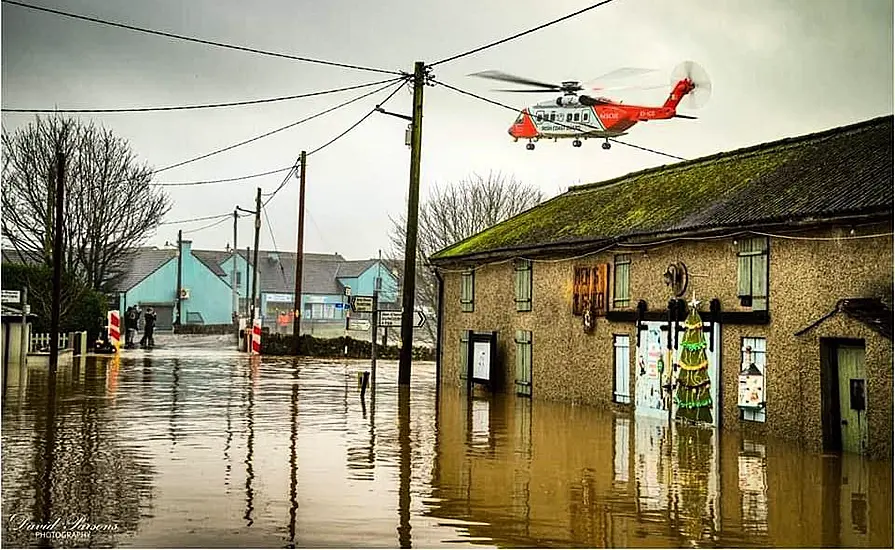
column 439, row 322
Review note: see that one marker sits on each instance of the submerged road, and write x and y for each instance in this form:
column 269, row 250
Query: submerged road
column 194, row 445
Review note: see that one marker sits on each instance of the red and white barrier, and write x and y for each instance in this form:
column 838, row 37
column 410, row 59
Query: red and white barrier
column 115, row 328
column 256, row 337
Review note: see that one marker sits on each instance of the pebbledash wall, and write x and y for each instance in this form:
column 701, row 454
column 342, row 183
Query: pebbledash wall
column 806, row 278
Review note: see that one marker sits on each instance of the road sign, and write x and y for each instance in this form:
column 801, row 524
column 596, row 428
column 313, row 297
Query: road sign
column 358, row 324
column 393, row 319
column 12, row 296
column 337, row 306
column 363, row 303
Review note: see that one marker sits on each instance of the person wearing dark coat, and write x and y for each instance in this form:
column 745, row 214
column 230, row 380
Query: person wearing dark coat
column 149, row 319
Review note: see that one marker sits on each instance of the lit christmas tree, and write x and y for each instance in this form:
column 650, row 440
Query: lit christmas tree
column 693, row 396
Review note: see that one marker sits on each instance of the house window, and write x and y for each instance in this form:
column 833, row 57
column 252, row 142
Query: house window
column 754, row 351
column 464, row 353
column 238, row 278
column 467, row 291
column 378, row 283
column 523, row 285
column 752, row 273
column 590, row 289
column 523, row 362
column 621, row 393
column 621, row 296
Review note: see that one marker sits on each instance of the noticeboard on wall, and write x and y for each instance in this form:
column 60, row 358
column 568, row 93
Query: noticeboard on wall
column 482, row 355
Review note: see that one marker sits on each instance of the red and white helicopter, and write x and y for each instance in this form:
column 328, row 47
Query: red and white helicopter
column 578, row 116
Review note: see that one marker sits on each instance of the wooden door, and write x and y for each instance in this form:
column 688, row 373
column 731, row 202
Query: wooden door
column 852, row 398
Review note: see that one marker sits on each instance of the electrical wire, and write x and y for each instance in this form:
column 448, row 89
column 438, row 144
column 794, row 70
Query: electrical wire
column 224, row 180
column 520, row 34
column 271, row 195
column 274, row 241
column 515, row 110
column 201, row 106
column 200, row 219
column 199, row 40
column 277, row 130
column 212, row 224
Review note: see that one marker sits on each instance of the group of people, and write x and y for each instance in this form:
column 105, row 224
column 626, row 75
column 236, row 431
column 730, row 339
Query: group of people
column 132, row 319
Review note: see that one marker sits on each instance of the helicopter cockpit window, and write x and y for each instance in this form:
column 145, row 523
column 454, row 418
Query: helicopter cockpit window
column 540, row 115
column 519, row 119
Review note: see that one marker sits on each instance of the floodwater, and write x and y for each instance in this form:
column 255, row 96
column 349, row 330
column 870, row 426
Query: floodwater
column 190, row 445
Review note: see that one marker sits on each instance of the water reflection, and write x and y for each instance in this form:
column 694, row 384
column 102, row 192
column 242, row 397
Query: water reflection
column 139, row 443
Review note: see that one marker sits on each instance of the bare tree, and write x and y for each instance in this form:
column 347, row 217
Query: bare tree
column 110, row 207
column 455, row 212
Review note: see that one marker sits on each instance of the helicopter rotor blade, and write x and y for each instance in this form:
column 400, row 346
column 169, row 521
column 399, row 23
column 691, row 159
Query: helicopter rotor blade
column 518, row 91
column 506, row 77
column 624, row 72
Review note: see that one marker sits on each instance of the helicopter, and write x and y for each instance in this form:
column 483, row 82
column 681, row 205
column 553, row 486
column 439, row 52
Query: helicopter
column 578, row 116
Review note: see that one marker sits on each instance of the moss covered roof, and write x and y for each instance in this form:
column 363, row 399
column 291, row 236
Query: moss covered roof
column 838, row 172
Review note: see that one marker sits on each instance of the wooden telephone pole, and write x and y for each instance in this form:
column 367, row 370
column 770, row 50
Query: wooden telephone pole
column 299, row 257
column 413, row 199
column 55, row 306
column 255, row 259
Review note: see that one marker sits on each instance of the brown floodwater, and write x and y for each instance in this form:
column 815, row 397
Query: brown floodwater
column 199, row 446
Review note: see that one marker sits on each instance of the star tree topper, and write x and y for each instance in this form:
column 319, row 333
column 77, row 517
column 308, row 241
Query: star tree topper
column 694, row 303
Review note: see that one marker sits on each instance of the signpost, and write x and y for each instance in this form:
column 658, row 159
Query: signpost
column 393, row 318
column 362, row 304
column 11, row 296
column 358, row 324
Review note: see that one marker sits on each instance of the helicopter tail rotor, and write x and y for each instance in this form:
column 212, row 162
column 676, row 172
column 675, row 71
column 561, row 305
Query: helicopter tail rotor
column 702, row 90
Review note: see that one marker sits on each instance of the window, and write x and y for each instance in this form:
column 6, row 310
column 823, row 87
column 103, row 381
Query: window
column 520, row 118
column 621, row 393
column 621, row 295
column 585, row 117
column 540, row 115
column 467, row 291
column 590, row 288
column 576, row 116
column 552, row 117
column 754, row 351
column 523, row 285
column 568, row 117
column 464, row 353
column 523, row 362
column 752, row 273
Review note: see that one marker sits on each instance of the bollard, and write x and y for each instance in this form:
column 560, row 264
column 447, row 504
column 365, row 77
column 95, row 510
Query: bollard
column 365, row 380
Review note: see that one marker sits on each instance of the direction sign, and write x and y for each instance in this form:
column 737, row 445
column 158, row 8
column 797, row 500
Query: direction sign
column 358, row 324
column 362, row 303
column 393, row 319
column 11, row 296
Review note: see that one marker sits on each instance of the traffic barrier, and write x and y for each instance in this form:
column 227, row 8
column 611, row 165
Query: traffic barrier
column 115, row 328
column 256, row 337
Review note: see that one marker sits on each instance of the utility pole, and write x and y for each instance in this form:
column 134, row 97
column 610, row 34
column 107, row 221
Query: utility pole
column 413, row 199
column 179, row 276
column 255, row 258
column 248, row 283
column 57, row 267
column 233, row 271
column 299, row 257
column 23, row 342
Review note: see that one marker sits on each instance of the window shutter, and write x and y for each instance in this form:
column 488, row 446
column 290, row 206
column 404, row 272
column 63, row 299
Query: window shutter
column 759, row 282
column 464, row 353
column 744, row 276
column 582, row 289
column 600, row 286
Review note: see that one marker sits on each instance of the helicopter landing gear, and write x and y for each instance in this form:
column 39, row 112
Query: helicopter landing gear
column 530, row 146
column 576, row 143
column 606, row 145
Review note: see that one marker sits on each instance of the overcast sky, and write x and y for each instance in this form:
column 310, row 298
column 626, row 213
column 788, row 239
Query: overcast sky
column 778, row 68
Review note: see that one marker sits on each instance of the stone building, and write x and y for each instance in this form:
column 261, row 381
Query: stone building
column 787, row 246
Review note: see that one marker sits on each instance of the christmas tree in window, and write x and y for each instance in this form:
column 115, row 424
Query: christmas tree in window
column 693, row 396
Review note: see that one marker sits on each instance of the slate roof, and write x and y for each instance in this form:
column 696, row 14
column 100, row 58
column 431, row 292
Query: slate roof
column 837, row 173
column 870, row 311
column 319, row 272
column 212, row 260
column 12, row 256
column 354, row 268
column 143, row 263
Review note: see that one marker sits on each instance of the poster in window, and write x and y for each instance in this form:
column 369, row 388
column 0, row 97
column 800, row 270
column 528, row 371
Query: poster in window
column 481, row 360
column 751, row 390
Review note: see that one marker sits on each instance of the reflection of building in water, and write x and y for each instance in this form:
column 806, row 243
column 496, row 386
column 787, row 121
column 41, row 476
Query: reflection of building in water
column 622, row 448
column 752, row 468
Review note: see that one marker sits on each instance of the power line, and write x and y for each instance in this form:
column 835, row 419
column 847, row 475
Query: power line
column 212, row 224
column 200, row 219
column 199, row 106
column 519, row 35
column 274, row 241
column 224, row 180
column 199, row 40
column 282, row 128
column 271, row 195
column 516, row 110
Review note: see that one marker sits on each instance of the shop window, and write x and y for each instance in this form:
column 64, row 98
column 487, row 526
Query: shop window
column 523, row 285
column 752, row 273
column 754, row 352
column 590, row 289
column 467, row 291
column 621, row 295
column 622, row 347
